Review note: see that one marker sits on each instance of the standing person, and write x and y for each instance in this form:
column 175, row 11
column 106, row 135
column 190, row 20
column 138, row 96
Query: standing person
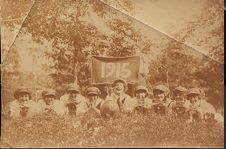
column 141, row 101
column 179, row 104
column 200, row 109
column 161, row 102
column 23, row 105
column 74, row 103
column 119, row 95
column 94, row 101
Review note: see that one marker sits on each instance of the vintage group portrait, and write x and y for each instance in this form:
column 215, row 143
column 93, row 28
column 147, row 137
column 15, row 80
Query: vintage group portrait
column 112, row 73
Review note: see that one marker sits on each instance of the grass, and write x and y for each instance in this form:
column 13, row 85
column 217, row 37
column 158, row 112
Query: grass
column 124, row 131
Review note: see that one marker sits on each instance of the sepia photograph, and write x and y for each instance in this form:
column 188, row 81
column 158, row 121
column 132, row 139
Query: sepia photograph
column 112, row 73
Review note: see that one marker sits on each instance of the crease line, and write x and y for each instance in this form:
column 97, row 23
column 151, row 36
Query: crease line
column 8, row 20
column 127, row 14
column 169, row 36
column 7, row 50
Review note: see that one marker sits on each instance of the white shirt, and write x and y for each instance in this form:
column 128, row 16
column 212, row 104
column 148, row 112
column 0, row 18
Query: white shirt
column 15, row 108
column 81, row 104
column 124, row 100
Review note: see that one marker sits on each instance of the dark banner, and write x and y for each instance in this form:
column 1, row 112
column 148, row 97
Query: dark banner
column 107, row 69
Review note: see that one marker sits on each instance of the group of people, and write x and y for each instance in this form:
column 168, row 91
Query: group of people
column 184, row 103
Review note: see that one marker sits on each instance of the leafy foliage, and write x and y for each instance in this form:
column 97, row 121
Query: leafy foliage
column 133, row 131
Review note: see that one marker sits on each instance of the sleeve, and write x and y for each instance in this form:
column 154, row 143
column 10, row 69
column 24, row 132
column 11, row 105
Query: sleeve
column 59, row 107
column 82, row 108
column 33, row 108
column 149, row 103
column 64, row 98
column 14, row 109
column 129, row 104
column 219, row 118
column 187, row 104
column 40, row 106
column 207, row 108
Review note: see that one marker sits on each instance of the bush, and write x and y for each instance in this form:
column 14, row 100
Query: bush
column 123, row 131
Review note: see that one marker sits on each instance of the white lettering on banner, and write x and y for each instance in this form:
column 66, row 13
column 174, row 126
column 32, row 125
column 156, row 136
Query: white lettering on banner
column 117, row 69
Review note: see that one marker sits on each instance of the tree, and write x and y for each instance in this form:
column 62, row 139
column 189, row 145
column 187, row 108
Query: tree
column 75, row 40
column 212, row 23
column 176, row 65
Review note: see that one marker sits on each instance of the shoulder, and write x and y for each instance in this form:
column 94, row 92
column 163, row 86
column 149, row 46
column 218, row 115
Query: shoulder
column 14, row 103
column 127, row 96
column 205, row 103
column 148, row 99
column 208, row 105
column 32, row 102
column 64, row 97
column 40, row 102
column 81, row 98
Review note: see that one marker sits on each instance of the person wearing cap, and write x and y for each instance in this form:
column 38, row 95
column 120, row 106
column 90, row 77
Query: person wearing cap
column 119, row 95
column 49, row 102
column 161, row 102
column 141, row 101
column 23, row 106
column 180, row 104
column 200, row 109
column 94, row 101
column 74, row 103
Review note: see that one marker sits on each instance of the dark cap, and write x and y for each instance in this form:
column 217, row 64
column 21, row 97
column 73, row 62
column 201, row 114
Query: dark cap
column 141, row 87
column 180, row 88
column 93, row 90
column 73, row 87
column 49, row 92
column 196, row 91
column 20, row 91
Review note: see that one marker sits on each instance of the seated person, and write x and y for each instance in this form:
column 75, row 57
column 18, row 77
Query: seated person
column 49, row 103
column 180, row 104
column 94, row 101
column 160, row 102
column 200, row 109
column 119, row 95
column 141, row 101
column 73, row 101
column 23, row 105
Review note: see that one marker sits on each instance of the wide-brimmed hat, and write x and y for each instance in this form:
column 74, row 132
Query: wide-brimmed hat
column 93, row 90
column 49, row 92
column 20, row 91
column 120, row 80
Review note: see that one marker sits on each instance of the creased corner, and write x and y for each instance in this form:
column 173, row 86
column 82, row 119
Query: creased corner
column 15, row 37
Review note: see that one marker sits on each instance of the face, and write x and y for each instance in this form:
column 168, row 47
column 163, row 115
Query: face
column 49, row 99
column 178, row 96
column 23, row 98
column 194, row 99
column 92, row 97
column 140, row 94
column 73, row 94
column 159, row 95
column 119, row 88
